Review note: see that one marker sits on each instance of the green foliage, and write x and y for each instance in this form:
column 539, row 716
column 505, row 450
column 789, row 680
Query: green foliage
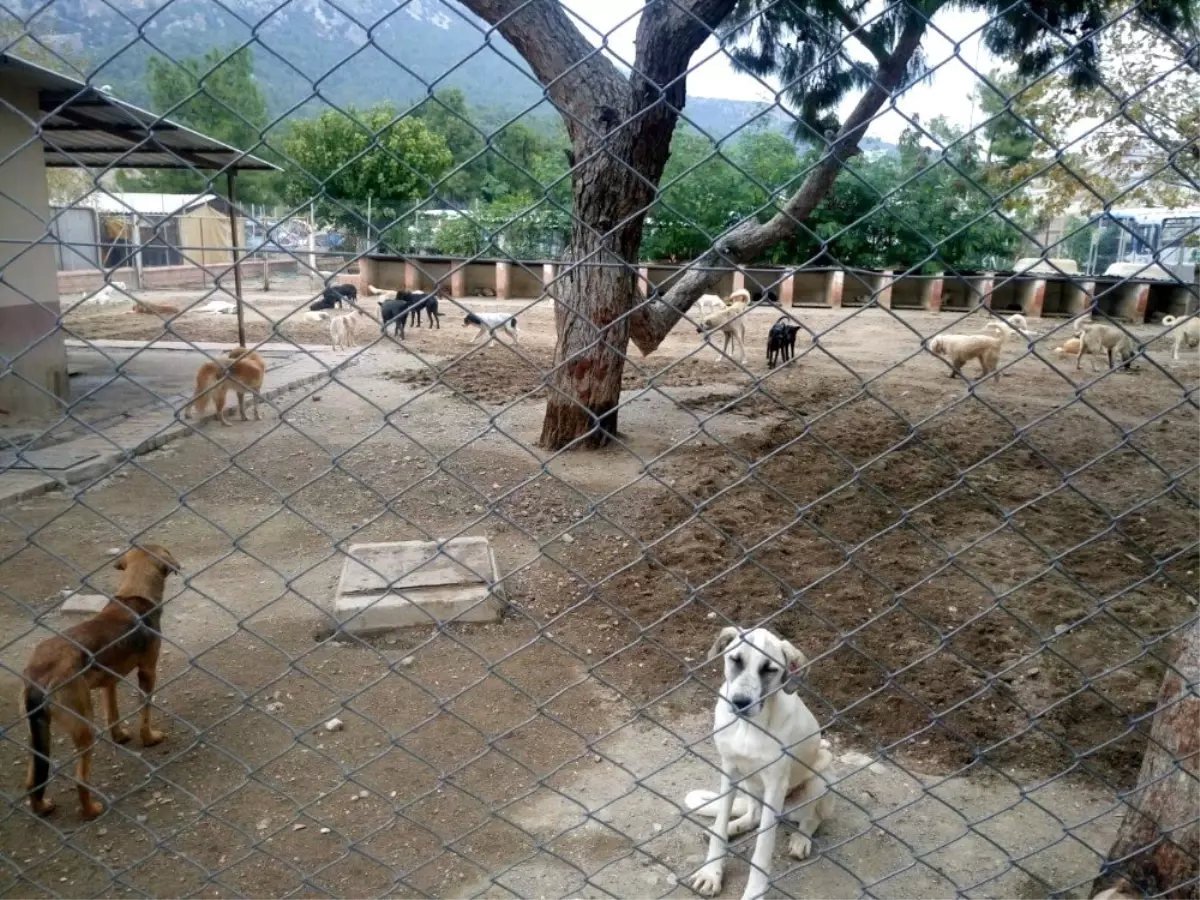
column 343, row 160
column 1010, row 139
column 517, row 226
column 924, row 208
column 217, row 95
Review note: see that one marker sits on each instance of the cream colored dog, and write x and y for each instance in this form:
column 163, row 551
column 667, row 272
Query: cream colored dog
column 730, row 322
column 342, row 333
column 959, row 349
column 1014, row 326
column 1100, row 337
column 771, row 747
column 1187, row 331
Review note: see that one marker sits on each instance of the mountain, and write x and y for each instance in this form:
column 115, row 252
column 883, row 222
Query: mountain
column 310, row 54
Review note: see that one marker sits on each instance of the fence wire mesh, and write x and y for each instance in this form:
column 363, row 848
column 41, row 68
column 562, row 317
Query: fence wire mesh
column 445, row 610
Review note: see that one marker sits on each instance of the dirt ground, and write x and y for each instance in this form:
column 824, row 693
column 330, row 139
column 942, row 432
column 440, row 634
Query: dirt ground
column 982, row 576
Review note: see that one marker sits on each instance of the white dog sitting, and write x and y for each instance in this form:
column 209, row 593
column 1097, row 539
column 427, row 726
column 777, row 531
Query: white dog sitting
column 771, row 747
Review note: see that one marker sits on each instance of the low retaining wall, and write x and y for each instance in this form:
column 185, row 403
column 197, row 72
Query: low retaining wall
column 82, row 281
column 1035, row 295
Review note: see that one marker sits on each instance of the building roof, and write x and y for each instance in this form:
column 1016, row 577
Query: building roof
column 81, row 125
column 144, row 203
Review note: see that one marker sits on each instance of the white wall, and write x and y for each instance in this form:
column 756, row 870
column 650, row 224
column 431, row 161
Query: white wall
column 31, row 344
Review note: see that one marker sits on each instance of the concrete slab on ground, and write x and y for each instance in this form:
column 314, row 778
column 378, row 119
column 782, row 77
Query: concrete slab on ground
column 83, row 604
column 399, row 585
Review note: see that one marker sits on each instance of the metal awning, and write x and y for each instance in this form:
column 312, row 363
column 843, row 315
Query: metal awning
column 81, row 125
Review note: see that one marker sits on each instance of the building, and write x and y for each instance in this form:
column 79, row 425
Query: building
column 50, row 120
column 115, row 229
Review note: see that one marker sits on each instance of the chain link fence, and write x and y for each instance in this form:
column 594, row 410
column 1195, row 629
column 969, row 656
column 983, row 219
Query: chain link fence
column 445, row 610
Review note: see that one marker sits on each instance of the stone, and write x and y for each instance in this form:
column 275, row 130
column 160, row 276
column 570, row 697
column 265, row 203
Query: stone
column 400, row 585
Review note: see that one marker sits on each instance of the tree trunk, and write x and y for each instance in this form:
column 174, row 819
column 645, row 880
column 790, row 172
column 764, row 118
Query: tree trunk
column 1157, row 850
column 592, row 304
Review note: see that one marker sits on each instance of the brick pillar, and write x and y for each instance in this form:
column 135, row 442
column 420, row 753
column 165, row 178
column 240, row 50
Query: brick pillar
column 835, row 284
column 1079, row 298
column 1032, row 296
column 1143, row 303
column 458, row 281
column 368, row 273
column 502, row 281
column 548, row 274
column 882, row 288
column 987, row 284
column 411, row 277
column 787, row 288
column 931, row 294
column 643, row 284
column 739, row 281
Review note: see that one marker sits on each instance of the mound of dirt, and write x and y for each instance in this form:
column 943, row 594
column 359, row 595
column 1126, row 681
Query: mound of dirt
column 500, row 374
column 958, row 600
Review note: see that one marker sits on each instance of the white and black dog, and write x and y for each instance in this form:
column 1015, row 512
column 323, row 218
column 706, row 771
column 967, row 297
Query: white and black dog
column 490, row 322
column 771, row 748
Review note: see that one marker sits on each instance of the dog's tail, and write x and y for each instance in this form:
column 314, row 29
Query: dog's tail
column 200, row 397
column 1168, row 321
column 37, row 711
column 704, row 803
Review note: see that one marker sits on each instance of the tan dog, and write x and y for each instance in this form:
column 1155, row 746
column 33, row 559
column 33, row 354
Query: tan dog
column 65, row 669
column 959, row 349
column 1100, row 337
column 1069, row 347
column 730, row 321
column 161, row 309
column 342, row 330
column 244, row 375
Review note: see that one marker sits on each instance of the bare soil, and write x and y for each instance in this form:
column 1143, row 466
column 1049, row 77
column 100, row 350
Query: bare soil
column 983, row 575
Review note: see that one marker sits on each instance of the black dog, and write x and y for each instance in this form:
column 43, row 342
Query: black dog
column 428, row 304
column 334, row 295
column 781, row 341
column 398, row 308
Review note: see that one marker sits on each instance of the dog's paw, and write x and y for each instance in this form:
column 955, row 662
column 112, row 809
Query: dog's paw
column 152, row 736
column 120, row 734
column 707, row 881
column 800, row 845
column 42, row 809
column 92, row 810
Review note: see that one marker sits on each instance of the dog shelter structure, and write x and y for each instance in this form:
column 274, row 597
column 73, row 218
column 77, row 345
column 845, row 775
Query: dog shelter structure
column 48, row 120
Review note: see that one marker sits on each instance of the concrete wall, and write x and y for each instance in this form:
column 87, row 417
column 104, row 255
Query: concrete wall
column 83, row 281
column 33, row 357
column 1036, row 295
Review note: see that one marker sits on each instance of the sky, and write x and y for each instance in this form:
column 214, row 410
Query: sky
column 713, row 75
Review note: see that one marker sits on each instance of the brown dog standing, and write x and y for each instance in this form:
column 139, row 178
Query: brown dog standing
column 65, row 669
column 245, row 374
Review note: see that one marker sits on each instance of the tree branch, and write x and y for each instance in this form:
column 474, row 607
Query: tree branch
column 858, row 31
column 653, row 320
column 577, row 74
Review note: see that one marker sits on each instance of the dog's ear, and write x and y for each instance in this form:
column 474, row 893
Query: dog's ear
column 795, row 661
column 724, row 639
column 166, row 562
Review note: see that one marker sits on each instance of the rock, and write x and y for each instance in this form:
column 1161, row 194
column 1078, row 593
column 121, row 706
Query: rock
column 567, row 539
column 335, row 725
